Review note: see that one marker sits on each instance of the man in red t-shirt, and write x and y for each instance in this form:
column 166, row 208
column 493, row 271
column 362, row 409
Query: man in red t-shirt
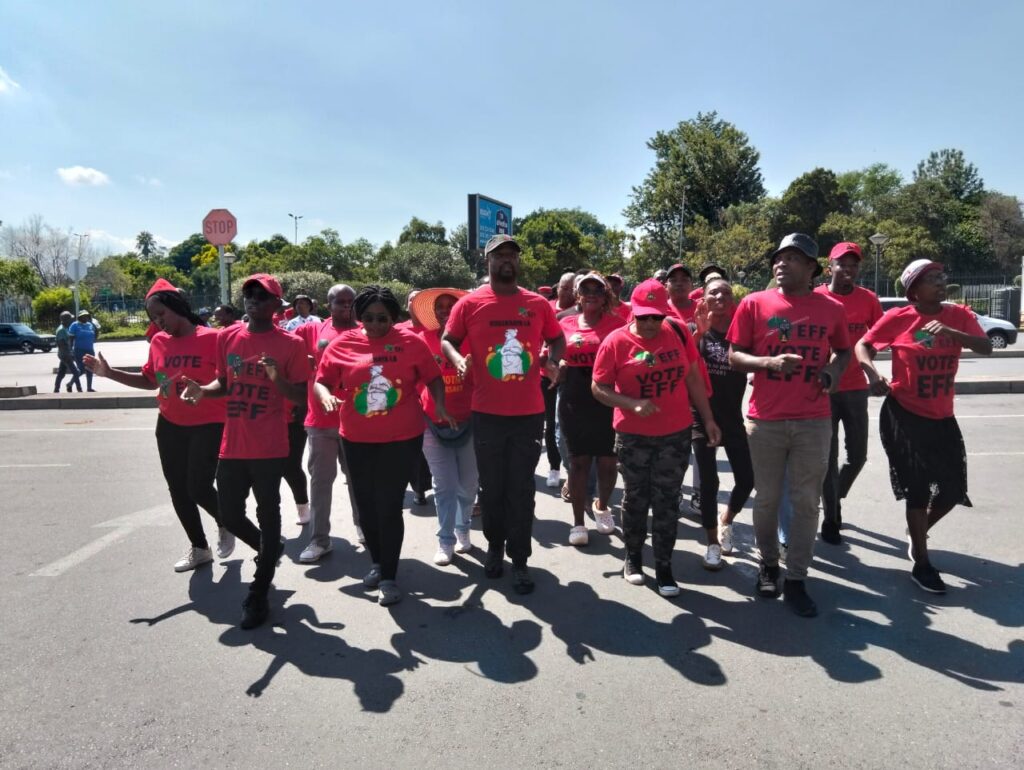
column 679, row 282
column 850, row 401
column 786, row 337
column 326, row 453
column 260, row 367
column 505, row 326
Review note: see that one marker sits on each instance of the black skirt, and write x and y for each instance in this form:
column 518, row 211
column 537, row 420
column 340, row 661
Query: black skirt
column 586, row 423
column 927, row 457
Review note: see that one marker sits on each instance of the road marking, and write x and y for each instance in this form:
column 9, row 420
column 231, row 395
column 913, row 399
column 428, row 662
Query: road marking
column 123, row 526
column 40, row 465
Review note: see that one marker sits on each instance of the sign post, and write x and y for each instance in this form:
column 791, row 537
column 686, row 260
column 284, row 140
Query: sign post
column 487, row 217
column 75, row 271
column 220, row 228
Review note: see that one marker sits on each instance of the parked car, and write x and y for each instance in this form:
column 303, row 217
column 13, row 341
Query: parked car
column 24, row 338
column 1002, row 333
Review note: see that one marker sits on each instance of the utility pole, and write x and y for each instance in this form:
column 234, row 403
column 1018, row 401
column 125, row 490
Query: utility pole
column 76, row 270
column 296, row 218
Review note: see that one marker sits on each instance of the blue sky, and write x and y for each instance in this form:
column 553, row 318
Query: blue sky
column 117, row 117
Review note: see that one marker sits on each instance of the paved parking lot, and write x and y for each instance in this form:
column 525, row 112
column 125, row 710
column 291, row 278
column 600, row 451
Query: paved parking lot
column 111, row 659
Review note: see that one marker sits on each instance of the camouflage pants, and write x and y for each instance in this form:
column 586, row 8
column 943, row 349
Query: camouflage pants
column 652, row 469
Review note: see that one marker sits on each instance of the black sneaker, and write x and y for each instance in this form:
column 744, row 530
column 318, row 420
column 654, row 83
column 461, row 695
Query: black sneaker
column 255, row 610
column 667, row 585
column 420, row 499
column 494, row 567
column 522, row 583
column 632, row 569
column 926, row 576
column 795, row 596
column 830, row 532
column 768, row 581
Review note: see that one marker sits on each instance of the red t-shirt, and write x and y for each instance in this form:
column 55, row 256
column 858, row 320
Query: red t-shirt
column 316, row 337
column 581, row 344
column 862, row 310
column 685, row 314
column 505, row 334
column 923, row 366
column 768, row 323
column 171, row 359
column 458, row 392
column 624, row 310
column 376, row 379
column 256, row 424
column 654, row 369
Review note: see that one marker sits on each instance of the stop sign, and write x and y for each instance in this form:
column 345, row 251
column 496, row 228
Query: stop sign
column 220, row 227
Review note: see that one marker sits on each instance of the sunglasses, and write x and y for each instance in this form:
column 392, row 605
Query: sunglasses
column 591, row 291
column 652, row 318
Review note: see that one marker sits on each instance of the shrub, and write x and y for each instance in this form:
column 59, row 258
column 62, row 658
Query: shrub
column 49, row 303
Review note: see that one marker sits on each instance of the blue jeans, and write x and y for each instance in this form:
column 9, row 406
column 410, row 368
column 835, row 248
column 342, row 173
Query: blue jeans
column 80, row 363
column 455, row 484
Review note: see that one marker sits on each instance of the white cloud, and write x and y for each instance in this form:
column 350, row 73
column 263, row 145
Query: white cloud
column 148, row 181
column 7, row 83
column 82, row 175
column 108, row 243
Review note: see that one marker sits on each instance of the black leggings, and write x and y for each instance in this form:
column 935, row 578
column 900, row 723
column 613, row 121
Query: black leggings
column 293, row 473
column 188, row 456
column 738, row 452
column 550, row 440
column 234, row 480
column 378, row 474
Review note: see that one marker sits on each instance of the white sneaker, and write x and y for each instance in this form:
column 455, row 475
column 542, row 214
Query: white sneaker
column 372, row 578
column 313, row 552
column 578, row 536
column 464, row 544
column 193, row 558
column 225, row 543
column 360, row 537
column 603, row 519
column 302, row 512
column 554, row 479
column 725, row 537
column 713, row 557
column 443, row 557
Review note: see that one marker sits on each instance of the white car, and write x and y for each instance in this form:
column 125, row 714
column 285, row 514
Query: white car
column 1002, row 333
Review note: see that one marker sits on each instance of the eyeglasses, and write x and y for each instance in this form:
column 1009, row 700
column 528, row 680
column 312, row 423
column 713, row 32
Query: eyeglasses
column 370, row 318
column 651, row 318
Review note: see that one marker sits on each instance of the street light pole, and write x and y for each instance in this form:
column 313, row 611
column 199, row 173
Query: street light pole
column 879, row 239
column 78, row 270
column 296, row 218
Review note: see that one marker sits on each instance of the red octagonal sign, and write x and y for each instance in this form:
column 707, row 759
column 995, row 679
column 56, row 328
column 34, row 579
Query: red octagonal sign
column 220, row 227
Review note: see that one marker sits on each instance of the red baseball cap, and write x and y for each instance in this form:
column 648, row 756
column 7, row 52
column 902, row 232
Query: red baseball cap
column 162, row 284
column 840, row 250
column 267, row 281
column 650, row 298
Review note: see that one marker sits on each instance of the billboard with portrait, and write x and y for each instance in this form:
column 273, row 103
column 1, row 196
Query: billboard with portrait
column 487, row 217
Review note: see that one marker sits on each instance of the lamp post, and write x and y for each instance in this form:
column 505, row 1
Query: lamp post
column 879, row 239
column 296, row 218
column 76, row 268
column 229, row 258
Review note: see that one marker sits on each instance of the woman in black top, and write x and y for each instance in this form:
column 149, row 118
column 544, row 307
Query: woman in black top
column 713, row 316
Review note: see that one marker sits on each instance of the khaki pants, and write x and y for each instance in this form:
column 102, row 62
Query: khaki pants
column 797, row 449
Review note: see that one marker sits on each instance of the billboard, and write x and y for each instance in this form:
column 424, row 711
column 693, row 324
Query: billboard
column 487, row 218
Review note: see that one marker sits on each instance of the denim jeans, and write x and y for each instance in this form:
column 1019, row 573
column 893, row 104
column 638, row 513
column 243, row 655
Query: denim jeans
column 455, row 483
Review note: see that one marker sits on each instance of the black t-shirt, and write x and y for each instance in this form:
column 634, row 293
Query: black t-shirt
column 727, row 385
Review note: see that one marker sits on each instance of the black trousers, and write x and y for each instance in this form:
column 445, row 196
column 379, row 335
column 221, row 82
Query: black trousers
column 507, row 451
column 67, row 366
column 420, row 479
column 293, row 473
column 734, row 441
column 550, row 439
column 188, row 456
column 234, row 480
column 378, row 474
column 849, row 408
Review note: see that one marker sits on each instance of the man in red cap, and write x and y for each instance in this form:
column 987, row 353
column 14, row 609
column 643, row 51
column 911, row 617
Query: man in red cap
column 260, row 367
column 850, row 400
column 679, row 282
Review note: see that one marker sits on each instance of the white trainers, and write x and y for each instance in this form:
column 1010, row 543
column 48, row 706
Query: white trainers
column 725, row 537
column 443, row 557
column 225, row 543
column 554, row 479
column 603, row 519
column 302, row 513
column 193, row 558
column 713, row 557
column 578, row 536
column 313, row 552
column 360, row 537
column 463, row 544
column 372, row 578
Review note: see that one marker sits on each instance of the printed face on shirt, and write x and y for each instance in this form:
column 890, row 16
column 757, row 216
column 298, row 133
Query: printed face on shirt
column 377, row 395
column 509, row 360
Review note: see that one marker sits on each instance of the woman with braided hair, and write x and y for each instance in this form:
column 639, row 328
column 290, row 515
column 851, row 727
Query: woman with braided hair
column 187, row 437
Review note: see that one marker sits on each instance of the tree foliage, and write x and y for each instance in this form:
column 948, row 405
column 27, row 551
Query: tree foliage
column 808, row 200
column 50, row 302
column 18, row 279
column 951, row 170
column 418, row 231
column 422, row 265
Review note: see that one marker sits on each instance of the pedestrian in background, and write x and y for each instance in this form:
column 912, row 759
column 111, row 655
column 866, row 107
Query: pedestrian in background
column 83, row 333
column 65, row 355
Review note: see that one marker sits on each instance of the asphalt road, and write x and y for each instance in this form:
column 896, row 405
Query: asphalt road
column 110, row 659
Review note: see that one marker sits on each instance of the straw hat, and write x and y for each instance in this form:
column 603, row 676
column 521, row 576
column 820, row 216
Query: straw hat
column 421, row 308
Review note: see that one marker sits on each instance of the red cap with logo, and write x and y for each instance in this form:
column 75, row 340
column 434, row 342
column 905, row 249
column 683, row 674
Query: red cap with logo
column 840, row 250
column 267, row 281
column 650, row 298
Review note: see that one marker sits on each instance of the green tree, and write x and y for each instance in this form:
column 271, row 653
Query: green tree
column 422, row 265
column 865, row 188
column 49, row 303
column 18, row 279
column 418, row 231
column 712, row 160
column 809, row 199
column 1001, row 221
column 552, row 244
column 950, row 169
column 146, row 244
column 180, row 255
